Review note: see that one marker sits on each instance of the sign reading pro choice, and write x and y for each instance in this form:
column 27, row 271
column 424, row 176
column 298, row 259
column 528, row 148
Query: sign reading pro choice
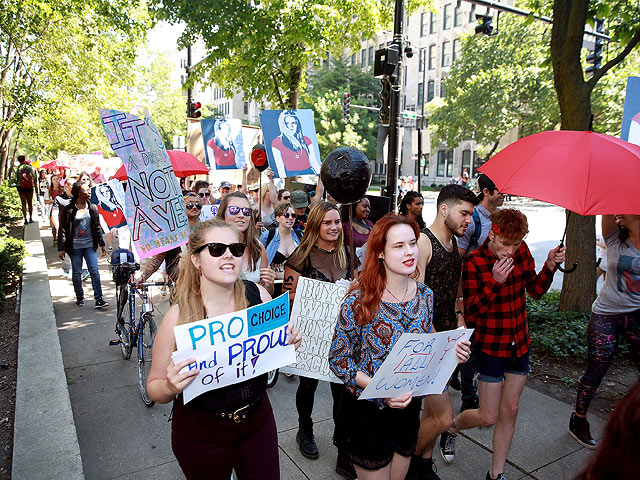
column 235, row 347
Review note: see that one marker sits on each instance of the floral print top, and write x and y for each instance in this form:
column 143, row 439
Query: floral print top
column 364, row 348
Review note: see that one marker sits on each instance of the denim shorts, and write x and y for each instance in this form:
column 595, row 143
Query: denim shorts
column 492, row 369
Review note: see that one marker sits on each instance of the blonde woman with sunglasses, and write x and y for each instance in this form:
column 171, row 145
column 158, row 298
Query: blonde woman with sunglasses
column 231, row 428
column 236, row 210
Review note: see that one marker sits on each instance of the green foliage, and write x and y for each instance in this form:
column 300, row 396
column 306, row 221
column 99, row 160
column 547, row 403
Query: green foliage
column 554, row 332
column 324, row 96
column 12, row 253
column 10, row 205
column 263, row 47
column 498, row 83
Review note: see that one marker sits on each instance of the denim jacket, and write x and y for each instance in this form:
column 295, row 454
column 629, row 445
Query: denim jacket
column 272, row 248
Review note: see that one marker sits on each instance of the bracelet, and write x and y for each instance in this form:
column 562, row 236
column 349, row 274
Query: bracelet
column 460, row 312
column 460, row 299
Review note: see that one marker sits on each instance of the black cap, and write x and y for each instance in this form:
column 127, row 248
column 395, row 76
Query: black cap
column 485, row 182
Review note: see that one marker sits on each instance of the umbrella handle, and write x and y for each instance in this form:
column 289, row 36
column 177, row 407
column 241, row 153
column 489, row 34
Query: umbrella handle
column 566, row 270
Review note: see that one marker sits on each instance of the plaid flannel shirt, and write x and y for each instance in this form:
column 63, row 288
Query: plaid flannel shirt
column 498, row 312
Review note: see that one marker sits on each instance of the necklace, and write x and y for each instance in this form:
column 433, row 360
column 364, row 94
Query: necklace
column 326, row 251
column 403, row 295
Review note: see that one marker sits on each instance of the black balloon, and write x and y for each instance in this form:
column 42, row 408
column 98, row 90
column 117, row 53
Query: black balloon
column 346, row 174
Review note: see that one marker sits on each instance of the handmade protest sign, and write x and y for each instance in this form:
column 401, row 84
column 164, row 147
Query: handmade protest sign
column 208, row 212
column 109, row 197
column 315, row 313
column 235, row 347
column 153, row 199
column 420, row 363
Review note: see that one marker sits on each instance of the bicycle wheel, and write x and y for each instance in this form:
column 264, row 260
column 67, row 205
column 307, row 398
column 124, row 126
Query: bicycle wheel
column 145, row 346
column 272, row 377
column 123, row 325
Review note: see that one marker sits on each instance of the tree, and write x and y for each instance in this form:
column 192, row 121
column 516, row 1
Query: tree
column 324, row 96
column 264, row 47
column 57, row 53
column 498, row 83
column 574, row 98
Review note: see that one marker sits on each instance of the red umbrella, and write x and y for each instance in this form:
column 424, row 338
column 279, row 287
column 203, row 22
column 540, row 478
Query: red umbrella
column 585, row 172
column 52, row 165
column 183, row 163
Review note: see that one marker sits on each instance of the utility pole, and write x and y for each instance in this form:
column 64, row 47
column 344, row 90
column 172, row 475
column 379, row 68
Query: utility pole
column 189, row 92
column 421, row 121
column 394, row 120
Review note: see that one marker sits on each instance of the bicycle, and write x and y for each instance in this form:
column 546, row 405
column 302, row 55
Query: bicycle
column 132, row 335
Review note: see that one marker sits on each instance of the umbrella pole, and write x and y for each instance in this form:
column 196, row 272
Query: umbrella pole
column 558, row 265
column 352, row 250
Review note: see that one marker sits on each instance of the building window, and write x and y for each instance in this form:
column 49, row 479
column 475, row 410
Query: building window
column 456, row 49
column 433, row 23
column 246, row 108
column 423, row 24
column 421, row 61
column 446, row 54
column 420, row 95
column 472, row 13
column 432, row 57
column 431, row 86
column 446, row 17
column 450, row 163
column 477, row 162
column 443, row 88
column 363, row 58
column 371, row 55
column 466, row 160
column 353, row 59
column 444, row 163
column 457, row 16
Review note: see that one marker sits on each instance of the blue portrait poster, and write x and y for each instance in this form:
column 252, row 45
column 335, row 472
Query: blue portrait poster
column 631, row 116
column 223, row 146
column 292, row 145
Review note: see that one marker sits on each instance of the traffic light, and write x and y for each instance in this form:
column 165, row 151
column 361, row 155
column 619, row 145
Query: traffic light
column 485, row 25
column 194, row 110
column 385, row 100
column 346, row 106
column 595, row 57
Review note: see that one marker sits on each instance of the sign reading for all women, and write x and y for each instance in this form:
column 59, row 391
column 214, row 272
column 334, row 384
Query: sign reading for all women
column 315, row 313
column 153, row 199
column 223, row 143
column 235, row 347
column 420, row 363
column 292, row 145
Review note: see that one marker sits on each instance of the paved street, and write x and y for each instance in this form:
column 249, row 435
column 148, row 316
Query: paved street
column 121, row 438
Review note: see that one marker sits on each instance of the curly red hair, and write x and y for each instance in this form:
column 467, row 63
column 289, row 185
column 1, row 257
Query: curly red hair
column 373, row 277
column 510, row 224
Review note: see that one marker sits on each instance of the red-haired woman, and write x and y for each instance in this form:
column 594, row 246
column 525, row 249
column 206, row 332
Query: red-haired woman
column 381, row 435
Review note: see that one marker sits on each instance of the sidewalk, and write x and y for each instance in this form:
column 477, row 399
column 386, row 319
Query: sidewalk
column 119, row 437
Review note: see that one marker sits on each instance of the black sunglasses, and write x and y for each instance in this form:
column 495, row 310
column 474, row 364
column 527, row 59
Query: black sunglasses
column 217, row 249
column 194, row 205
column 289, row 215
column 233, row 210
column 205, row 194
column 288, row 197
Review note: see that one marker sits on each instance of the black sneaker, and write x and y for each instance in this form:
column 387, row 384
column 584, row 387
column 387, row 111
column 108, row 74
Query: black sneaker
column 579, row 429
column 422, row 469
column 100, row 303
column 345, row 468
column 429, row 470
column 307, row 443
column 499, row 477
column 448, row 447
column 469, row 404
column 80, row 302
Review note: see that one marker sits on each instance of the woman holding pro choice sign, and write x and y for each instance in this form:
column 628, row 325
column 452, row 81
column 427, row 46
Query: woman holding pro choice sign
column 379, row 436
column 233, row 427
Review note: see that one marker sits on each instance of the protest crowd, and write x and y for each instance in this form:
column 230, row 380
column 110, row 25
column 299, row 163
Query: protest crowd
column 250, row 243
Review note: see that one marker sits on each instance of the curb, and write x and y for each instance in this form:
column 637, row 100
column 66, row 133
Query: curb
column 45, row 441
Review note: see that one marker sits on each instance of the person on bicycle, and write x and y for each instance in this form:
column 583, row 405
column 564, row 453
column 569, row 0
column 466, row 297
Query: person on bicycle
column 205, row 438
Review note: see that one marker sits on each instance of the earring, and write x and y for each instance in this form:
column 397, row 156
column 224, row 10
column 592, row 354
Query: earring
column 200, row 271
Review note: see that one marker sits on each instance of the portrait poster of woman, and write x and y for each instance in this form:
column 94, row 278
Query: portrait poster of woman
column 631, row 116
column 292, row 145
column 224, row 147
column 109, row 198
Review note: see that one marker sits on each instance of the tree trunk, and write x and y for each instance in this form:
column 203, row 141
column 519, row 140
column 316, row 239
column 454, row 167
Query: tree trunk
column 294, row 86
column 574, row 98
column 5, row 137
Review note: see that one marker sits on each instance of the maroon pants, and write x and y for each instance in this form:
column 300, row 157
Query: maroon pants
column 208, row 447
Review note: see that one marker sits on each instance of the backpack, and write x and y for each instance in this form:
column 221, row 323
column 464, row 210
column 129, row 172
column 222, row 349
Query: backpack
column 26, row 180
column 473, row 241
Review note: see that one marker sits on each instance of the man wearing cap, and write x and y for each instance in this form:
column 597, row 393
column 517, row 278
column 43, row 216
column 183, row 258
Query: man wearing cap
column 254, row 188
column 97, row 176
column 300, row 204
column 224, row 189
column 475, row 235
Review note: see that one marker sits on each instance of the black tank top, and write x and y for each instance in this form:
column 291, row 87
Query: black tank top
column 442, row 275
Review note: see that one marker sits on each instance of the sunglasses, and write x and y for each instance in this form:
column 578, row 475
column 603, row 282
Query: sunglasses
column 204, row 195
column 217, row 249
column 194, row 205
column 233, row 210
column 289, row 215
column 288, row 197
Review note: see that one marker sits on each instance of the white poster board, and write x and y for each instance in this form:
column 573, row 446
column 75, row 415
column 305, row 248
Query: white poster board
column 315, row 313
column 420, row 363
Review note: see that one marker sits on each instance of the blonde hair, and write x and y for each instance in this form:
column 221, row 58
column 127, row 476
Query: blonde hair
column 312, row 233
column 188, row 294
column 250, row 235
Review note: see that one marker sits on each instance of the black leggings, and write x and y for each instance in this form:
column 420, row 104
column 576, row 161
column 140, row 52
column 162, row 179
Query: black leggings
column 305, row 398
column 602, row 337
